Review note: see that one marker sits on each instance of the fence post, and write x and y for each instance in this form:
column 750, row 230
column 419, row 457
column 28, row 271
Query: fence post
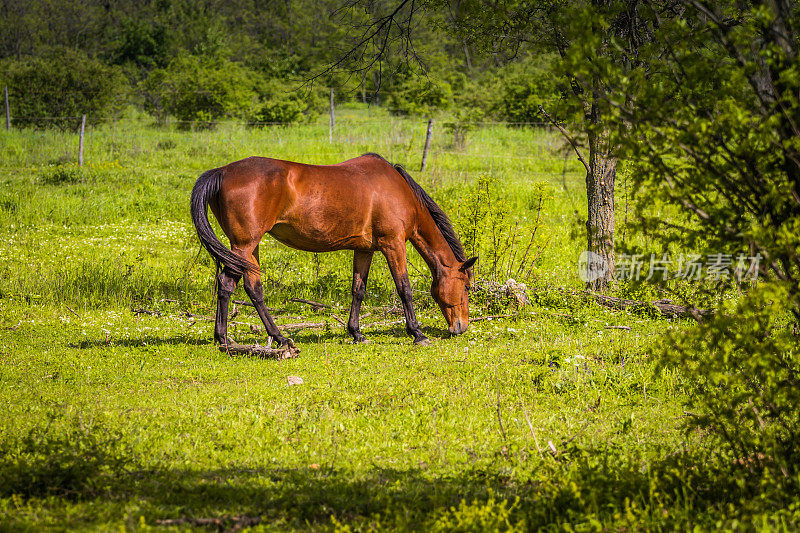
column 80, row 141
column 8, row 111
column 427, row 144
column 333, row 119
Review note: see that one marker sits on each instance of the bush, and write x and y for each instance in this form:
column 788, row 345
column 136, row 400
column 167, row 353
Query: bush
column 417, row 95
column 63, row 83
column 749, row 395
column 508, row 247
column 199, row 89
column 524, row 86
column 74, row 462
column 279, row 102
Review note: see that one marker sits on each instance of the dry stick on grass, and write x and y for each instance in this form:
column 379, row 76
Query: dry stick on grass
column 271, row 310
column 339, row 320
column 265, row 352
column 626, row 328
column 499, row 416
column 530, row 426
column 236, row 522
column 72, row 311
column 315, row 305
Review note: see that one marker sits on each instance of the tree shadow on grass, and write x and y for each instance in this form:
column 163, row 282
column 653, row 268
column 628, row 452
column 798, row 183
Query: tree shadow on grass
column 146, row 340
column 582, row 488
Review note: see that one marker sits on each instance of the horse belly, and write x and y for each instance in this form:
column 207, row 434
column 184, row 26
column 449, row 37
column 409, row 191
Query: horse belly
column 314, row 239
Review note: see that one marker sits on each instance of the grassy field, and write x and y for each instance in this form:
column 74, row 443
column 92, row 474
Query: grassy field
column 120, row 413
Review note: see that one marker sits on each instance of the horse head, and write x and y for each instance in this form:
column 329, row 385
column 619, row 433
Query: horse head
column 451, row 291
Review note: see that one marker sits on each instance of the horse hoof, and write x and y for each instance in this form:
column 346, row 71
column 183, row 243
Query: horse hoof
column 423, row 341
column 227, row 341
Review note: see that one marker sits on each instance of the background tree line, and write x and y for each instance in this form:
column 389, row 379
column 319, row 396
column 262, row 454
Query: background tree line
column 249, row 60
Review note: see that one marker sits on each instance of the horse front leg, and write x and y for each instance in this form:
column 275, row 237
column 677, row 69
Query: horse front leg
column 361, row 264
column 226, row 284
column 396, row 258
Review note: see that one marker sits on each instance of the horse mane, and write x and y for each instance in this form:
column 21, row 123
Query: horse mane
column 439, row 217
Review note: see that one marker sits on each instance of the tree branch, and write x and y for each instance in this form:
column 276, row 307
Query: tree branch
column 567, row 136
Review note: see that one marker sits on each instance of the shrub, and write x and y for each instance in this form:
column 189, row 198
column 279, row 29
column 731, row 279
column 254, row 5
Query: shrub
column 199, row 89
column 524, row 86
column 507, row 247
column 417, row 95
column 279, row 102
column 747, row 399
column 77, row 461
column 63, row 83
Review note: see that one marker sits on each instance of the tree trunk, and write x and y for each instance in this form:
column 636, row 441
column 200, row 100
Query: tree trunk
column 600, row 198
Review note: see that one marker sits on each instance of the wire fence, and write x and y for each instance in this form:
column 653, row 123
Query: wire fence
column 456, row 147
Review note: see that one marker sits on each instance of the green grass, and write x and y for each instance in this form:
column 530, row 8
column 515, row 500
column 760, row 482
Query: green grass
column 115, row 419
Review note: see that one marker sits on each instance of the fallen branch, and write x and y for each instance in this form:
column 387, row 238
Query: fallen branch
column 626, row 328
column 291, row 326
column 235, row 522
column 489, row 317
column 143, row 311
column 271, row 310
column 665, row 307
column 303, row 325
column 316, row 305
column 265, row 352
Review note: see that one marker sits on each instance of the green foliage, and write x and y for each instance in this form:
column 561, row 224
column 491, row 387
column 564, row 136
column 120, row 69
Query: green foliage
column 79, row 461
column 748, row 360
column 480, row 516
column 64, row 84
column 197, row 89
column 419, row 95
column 143, row 43
column 507, row 245
column 64, row 174
column 716, row 140
column 524, row 87
column 281, row 102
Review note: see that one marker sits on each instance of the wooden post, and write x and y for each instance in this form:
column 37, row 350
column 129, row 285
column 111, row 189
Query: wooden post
column 427, row 144
column 333, row 119
column 8, row 111
column 80, row 142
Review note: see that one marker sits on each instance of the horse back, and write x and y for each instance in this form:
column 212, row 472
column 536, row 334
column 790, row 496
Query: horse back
column 357, row 204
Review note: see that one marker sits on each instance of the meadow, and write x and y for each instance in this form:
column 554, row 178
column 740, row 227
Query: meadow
column 119, row 412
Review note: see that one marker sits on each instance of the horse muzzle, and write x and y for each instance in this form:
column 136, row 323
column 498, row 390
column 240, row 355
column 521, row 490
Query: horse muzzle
column 458, row 327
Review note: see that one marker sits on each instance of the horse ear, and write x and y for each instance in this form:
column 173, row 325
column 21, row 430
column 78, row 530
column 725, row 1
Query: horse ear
column 468, row 263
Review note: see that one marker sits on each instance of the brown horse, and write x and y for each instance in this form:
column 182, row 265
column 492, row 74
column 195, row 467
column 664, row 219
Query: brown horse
column 363, row 204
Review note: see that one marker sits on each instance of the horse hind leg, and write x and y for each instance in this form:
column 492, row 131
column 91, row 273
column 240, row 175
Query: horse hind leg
column 255, row 291
column 361, row 264
column 226, row 284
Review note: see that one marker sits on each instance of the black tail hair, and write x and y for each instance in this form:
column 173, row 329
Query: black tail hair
column 206, row 188
column 439, row 217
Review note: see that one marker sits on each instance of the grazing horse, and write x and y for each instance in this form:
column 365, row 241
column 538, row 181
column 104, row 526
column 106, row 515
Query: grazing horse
column 364, row 204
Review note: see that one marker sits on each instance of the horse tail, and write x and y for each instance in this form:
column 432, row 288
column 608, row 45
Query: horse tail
column 205, row 189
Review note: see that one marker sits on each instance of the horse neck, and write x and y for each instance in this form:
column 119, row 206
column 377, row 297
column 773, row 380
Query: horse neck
column 432, row 246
